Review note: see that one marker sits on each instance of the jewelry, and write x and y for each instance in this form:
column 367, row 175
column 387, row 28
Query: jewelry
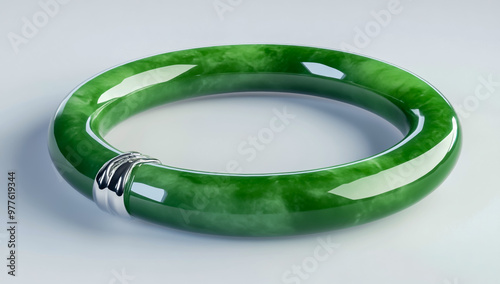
column 132, row 184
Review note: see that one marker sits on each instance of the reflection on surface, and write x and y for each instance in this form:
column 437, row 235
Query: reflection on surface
column 144, row 79
column 91, row 133
column 150, row 192
column 323, row 70
column 399, row 175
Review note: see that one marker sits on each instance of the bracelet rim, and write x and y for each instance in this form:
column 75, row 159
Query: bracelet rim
column 53, row 139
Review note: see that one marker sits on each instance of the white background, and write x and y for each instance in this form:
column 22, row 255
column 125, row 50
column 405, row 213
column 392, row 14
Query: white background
column 449, row 237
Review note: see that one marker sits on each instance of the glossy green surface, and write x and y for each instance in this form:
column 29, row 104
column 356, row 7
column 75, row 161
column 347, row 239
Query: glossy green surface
column 264, row 204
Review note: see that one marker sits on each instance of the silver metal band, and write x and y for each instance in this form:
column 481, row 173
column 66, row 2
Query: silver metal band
column 109, row 184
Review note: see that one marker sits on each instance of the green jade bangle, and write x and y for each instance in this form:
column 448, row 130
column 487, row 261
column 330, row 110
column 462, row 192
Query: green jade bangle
column 270, row 204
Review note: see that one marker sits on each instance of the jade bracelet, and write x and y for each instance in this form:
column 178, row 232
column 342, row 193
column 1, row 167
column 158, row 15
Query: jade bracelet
column 128, row 183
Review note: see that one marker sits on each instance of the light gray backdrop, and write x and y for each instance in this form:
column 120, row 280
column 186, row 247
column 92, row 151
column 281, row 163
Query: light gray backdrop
column 49, row 47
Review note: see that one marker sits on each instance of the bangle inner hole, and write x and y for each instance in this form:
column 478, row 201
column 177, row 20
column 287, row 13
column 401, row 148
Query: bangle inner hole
column 256, row 132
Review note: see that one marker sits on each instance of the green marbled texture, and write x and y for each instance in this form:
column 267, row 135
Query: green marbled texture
column 268, row 204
